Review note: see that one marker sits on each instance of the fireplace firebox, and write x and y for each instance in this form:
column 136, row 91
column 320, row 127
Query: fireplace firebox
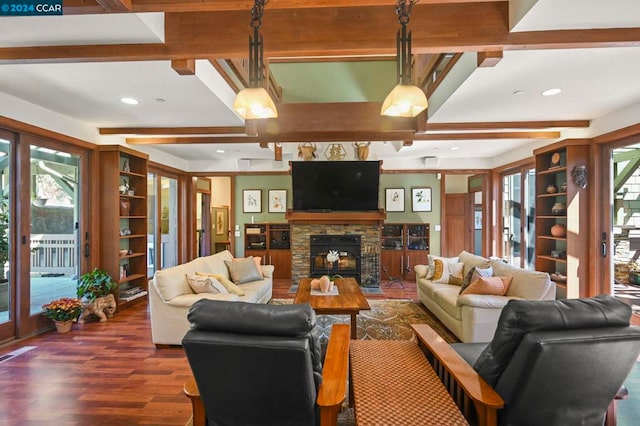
column 349, row 251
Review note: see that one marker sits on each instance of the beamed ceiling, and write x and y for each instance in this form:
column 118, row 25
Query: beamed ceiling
column 483, row 65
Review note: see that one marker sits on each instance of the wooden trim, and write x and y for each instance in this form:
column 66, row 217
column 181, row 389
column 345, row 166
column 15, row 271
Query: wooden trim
column 334, row 375
column 632, row 131
column 561, row 145
column 433, row 85
column 485, row 135
column 517, row 165
column 489, row 58
column 184, row 66
column 448, row 363
column 222, row 130
column 117, row 6
column 20, row 127
column 545, row 124
column 342, row 217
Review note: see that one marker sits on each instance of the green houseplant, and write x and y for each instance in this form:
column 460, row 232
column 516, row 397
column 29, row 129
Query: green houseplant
column 94, row 284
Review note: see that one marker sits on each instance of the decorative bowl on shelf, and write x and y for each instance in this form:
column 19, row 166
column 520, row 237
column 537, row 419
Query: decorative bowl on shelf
column 559, row 230
column 123, row 253
column 558, row 208
column 552, row 188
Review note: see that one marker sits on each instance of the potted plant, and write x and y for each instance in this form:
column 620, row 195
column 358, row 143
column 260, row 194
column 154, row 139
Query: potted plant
column 96, row 289
column 95, row 284
column 634, row 273
column 63, row 312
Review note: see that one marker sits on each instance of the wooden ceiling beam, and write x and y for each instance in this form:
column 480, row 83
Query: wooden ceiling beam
column 115, row 6
column 485, row 135
column 508, row 125
column 343, row 31
column 407, row 137
column 184, row 66
column 240, row 130
column 87, row 6
column 489, row 58
column 344, row 117
column 223, row 130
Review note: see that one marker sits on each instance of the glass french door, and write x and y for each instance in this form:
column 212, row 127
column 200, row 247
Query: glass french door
column 40, row 224
column 518, row 216
column 162, row 205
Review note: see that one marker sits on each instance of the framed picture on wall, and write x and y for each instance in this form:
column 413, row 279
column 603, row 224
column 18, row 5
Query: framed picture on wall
column 220, row 222
column 421, row 199
column 394, row 199
column 252, row 201
column 277, row 200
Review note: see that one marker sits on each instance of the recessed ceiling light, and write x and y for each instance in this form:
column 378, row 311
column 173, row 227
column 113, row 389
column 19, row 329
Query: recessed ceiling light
column 454, row 148
column 551, row 92
column 220, row 151
column 129, row 101
column 161, row 100
column 518, row 92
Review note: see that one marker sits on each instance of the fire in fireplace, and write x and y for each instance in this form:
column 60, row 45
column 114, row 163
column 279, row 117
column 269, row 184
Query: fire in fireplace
column 348, row 248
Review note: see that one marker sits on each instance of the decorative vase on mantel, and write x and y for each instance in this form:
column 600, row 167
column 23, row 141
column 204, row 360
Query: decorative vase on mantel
column 63, row 326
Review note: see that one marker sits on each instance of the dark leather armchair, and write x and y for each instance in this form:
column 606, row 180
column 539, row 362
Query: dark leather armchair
column 552, row 363
column 258, row 364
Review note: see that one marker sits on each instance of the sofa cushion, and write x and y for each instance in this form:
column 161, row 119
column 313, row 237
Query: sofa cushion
column 255, row 290
column 186, row 300
column 431, row 265
column 483, row 301
column 527, row 284
column 215, row 263
column 475, row 273
column 243, row 270
column 172, row 282
column 205, row 284
column 228, row 284
column 444, row 271
column 446, row 297
column 520, row 317
column 496, row 286
column 471, row 260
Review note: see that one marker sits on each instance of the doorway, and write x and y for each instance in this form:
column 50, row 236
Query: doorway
column 41, row 220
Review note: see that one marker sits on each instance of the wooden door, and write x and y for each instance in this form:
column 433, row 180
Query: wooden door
column 413, row 258
column 457, row 219
column 281, row 261
column 391, row 260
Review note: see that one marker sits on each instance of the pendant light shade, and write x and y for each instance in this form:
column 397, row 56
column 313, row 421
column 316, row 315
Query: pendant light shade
column 254, row 102
column 404, row 101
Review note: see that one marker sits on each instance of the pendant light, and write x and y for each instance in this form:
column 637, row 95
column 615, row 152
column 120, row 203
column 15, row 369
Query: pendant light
column 406, row 99
column 254, row 101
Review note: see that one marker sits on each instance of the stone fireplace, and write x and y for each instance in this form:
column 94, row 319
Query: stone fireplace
column 367, row 233
column 348, row 248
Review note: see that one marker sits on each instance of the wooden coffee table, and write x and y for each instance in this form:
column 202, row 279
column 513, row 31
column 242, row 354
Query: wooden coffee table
column 348, row 301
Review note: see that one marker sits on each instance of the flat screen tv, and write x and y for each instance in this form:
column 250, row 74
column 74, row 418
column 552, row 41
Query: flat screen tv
column 335, row 185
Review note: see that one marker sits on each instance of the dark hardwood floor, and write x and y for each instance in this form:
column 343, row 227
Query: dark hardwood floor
column 106, row 373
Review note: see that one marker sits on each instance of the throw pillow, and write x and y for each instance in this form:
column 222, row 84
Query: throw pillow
column 455, row 273
column 443, row 271
column 496, row 286
column 256, row 259
column 475, row 273
column 204, row 284
column 231, row 287
column 431, row 265
column 243, row 270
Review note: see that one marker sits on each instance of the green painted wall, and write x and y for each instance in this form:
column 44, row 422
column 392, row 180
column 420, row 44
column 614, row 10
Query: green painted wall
column 263, row 183
column 404, row 180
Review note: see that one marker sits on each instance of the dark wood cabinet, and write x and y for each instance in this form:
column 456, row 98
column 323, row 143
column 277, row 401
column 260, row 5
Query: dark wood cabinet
column 561, row 215
column 402, row 247
column 272, row 242
column 123, row 220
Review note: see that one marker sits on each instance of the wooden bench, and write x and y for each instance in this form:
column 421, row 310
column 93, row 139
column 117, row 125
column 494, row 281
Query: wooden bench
column 392, row 383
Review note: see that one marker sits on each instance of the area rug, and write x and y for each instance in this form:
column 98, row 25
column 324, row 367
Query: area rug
column 387, row 320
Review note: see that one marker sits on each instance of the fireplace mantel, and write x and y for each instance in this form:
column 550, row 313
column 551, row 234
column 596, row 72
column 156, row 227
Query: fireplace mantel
column 336, row 218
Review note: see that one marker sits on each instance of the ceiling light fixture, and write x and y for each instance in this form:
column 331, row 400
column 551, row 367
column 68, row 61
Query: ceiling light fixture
column 551, row 92
column 404, row 100
column 129, row 101
column 254, row 101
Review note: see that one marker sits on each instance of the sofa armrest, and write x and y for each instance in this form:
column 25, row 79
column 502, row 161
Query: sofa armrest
column 267, row 271
column 333, row 389
column 459, row 376
column 483, row 301
column 421, row 271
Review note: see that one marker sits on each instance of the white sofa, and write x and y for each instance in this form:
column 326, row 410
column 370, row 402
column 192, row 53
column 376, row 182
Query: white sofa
column 474, row 317
column 170, row 295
